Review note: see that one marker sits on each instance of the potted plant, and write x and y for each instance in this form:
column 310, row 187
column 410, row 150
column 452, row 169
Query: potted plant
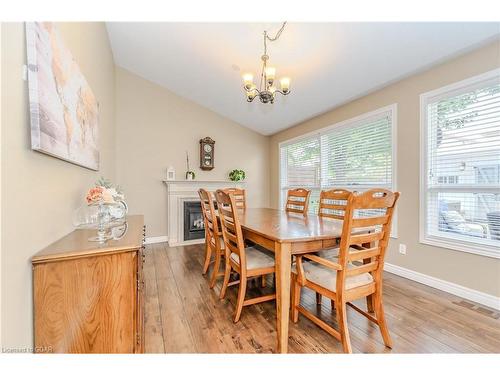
column 237, row 175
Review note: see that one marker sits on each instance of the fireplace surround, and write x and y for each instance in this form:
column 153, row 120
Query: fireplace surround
column 180, row 192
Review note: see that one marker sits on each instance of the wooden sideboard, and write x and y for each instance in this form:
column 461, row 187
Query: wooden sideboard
column 88, row 297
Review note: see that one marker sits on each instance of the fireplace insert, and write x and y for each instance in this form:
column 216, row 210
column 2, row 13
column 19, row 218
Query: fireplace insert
column 194, row 226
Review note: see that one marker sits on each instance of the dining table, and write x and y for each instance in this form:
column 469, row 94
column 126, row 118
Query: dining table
column 287, row 234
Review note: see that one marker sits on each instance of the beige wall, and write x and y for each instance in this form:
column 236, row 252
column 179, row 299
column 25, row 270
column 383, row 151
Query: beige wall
column 473, row 271
column 39, row 192
column 155, row 127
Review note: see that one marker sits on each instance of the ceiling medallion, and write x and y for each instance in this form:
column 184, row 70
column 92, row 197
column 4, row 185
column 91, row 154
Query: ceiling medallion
column 266, row 91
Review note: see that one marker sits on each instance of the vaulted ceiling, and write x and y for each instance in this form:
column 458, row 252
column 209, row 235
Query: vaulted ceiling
column 329, row 63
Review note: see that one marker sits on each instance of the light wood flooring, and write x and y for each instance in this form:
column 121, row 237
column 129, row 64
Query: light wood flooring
column 184, row 316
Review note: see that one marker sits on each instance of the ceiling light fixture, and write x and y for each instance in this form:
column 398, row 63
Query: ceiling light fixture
column 266, row 91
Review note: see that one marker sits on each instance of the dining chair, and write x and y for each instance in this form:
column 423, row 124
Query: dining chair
column 332, row 205
column 248, row 262
column 297, row 200
column 240, row 196
column 358, row 271
column 213, row 236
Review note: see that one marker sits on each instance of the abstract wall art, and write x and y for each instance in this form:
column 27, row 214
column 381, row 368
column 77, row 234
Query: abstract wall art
column 63, row 109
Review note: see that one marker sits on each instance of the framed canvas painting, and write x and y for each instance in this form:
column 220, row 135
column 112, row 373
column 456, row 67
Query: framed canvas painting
column 63, row 109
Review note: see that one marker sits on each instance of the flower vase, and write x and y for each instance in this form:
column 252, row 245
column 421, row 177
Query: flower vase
column 103, row 218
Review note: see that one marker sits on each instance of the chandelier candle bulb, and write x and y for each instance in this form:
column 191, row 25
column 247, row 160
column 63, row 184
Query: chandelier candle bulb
column 251, row 95
column 270, row 74
column 248, row 80
column 285, row 84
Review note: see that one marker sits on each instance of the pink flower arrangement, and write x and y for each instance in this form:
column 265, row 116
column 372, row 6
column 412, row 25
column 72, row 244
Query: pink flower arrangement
column 104, row 191
column 94, row 194
column 98, row 194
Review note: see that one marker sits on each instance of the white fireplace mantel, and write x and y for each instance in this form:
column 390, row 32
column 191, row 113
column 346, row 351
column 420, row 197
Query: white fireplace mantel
column 182, row 191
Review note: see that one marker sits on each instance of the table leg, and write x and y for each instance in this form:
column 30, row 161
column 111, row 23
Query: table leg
column 283, row 260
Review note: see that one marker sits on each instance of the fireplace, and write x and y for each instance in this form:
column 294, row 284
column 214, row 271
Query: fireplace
column 194, row 226
column 179, row 192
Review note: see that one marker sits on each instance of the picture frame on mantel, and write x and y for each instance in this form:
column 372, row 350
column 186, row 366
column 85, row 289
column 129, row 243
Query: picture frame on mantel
column 170, row 174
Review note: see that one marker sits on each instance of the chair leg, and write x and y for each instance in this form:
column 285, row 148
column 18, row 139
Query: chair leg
column 227, row 274
column 369, row 304
column 343, row 328
column 319, row 297
column 215, row 271
column 208, row 255
column 263, row 281
column 241, row 297
column 379, row 313
column 296, row 288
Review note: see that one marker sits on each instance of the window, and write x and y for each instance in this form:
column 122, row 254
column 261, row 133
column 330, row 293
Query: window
column 460, row 166
column 357, row 154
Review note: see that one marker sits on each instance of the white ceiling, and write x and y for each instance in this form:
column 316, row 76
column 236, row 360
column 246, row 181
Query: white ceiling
column 328, row 63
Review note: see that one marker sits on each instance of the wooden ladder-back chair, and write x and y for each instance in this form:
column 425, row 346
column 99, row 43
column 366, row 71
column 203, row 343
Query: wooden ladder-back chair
column 297, row 200
column 332, row 205
column 240, row 196
column 213, row 236
column 358, row 271
column 247, row 262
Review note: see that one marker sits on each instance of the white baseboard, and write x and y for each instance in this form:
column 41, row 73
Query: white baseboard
column 446, row 286
column 185, row 243
column 159, row 239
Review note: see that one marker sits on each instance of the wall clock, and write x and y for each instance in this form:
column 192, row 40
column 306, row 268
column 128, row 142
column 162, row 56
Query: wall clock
column 207, row 146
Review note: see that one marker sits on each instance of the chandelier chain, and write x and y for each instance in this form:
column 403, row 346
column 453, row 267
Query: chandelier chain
column 272, row 39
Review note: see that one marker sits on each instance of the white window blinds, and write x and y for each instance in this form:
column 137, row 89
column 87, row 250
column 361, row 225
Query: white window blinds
column 461, row 166
column 301, row 164
column 356, row 155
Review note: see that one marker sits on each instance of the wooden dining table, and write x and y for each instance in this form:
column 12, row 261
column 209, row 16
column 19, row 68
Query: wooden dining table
column 287, row 234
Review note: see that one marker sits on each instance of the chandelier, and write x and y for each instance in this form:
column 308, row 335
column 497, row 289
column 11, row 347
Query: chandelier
column 266, row 91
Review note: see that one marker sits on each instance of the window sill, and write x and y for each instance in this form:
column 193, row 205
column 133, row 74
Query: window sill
column 483, row 250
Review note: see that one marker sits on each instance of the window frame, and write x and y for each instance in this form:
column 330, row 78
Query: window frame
column 346, row 124
column 448, row 241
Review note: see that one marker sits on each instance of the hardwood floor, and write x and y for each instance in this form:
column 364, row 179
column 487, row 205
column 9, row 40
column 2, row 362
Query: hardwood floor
column 184, row 316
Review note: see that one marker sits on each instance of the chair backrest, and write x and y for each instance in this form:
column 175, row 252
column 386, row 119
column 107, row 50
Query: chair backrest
column 367, row 221
column 212, row 231
column 240, row 196
column 297, row 200
column 333, row 203
column 230, row 225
